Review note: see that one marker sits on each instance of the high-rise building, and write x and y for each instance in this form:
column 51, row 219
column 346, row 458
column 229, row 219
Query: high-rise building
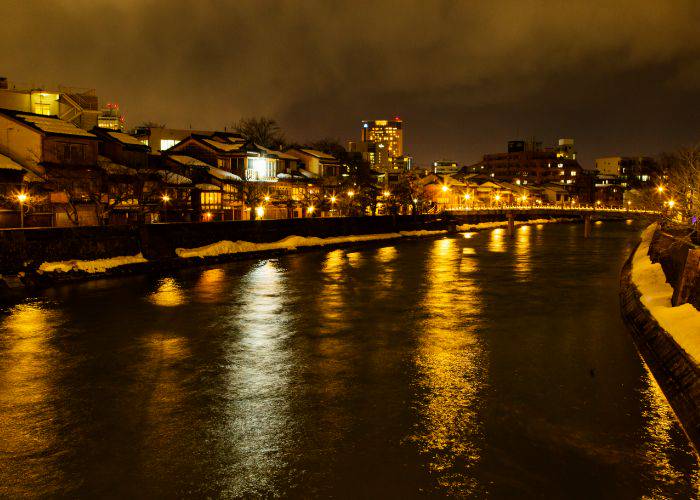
column 387, row 135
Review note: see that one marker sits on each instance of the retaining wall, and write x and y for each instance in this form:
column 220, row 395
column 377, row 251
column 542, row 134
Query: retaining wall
column 26, row 249
column 676, row 373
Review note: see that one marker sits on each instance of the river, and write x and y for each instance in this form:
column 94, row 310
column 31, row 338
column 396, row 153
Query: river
column 468, row 365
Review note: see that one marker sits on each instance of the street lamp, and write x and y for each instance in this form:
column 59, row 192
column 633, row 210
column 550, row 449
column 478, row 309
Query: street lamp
column 386, row 194
column 671, row 203
column 351, row 193
column 267, row 198
column 660, row 189
column 165, row 199
column 21, row 197
column 310, row 209
column 260, row 211
column 445, row 188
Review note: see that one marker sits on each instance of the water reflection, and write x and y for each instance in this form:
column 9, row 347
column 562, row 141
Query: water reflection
column 660, row 424
column 168, row 294
column 451, row 365
column 497, row 240
column 210, row 286
column 258, row 422
column 330, row 297
column 28, row 426
column 522, row 265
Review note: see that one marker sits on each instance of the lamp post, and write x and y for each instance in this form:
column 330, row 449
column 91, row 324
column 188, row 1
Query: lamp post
column 165, row 199
column 21, row 197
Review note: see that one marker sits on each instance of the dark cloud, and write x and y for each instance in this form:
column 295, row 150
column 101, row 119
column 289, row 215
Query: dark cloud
column 619, row 76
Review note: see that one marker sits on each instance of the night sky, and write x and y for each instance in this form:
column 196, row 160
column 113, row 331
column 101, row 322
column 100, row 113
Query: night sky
column 620, row 77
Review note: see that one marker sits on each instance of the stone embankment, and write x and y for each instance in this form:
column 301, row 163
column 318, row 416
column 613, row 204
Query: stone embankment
column 666, row 331
column 40, row 257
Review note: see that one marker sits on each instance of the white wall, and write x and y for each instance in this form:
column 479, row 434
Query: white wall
column 23, row 144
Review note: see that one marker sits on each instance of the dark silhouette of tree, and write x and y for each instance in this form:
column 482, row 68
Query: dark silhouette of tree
column 260, row 130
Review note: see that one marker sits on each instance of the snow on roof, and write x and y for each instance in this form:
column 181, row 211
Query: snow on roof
column 223, row 174
column 207, row 187
column 30, row 176
column 114, row 168
column 306, row 173
column 225, row 146
column 9, row 164
column 172, row 177
column 187, row 161
column 54, row 125
column 318, row 154
column 126, row 138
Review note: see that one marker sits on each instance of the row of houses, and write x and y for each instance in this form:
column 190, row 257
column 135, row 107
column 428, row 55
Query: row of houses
column 76, row 176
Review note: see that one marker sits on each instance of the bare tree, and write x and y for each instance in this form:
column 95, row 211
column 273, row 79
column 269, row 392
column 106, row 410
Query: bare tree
column 683, row 184
column 260, row 130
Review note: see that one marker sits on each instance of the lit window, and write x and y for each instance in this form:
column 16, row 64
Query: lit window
column 167, row 143
column 573, row 173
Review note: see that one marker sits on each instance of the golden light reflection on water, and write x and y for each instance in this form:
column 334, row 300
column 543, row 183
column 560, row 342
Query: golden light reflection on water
column 330, row 297
column 168, row 294
column 27, row 368
column 497, row 240
column 659, row 443
column 354, row 258
column 210, row 285
column 523, row 266
column 452, row 370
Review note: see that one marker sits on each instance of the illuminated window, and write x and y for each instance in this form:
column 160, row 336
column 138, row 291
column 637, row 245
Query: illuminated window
column 42, row 109
column 167, row 143
column 573, row 173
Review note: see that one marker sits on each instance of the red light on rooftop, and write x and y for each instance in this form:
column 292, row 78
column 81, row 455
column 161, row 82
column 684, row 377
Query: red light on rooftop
column 397, row 118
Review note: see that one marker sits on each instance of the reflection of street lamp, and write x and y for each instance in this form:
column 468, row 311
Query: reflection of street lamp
column 21, row 197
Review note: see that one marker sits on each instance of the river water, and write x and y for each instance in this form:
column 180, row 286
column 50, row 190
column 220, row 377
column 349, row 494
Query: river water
column 471, row 365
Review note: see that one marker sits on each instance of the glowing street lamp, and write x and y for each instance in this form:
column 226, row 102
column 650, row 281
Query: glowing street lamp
column 165, row 199
column 310, row 209
column 333, row 199
column 351, row 193
column 671, row 203
column 207, row 216
column 660, row 189
column 445, row 188
column 21, row 197
column 260, row 211
column 386, row 194
column 267, row 198
column 467, row 196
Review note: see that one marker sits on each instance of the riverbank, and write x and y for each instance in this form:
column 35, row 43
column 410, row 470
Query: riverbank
column 667, row 337
column 40, row 258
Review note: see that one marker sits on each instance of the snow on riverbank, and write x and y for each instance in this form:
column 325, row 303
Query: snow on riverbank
column 90, row 266
column 681, row 322
column 291, row 242
column 504, row 223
